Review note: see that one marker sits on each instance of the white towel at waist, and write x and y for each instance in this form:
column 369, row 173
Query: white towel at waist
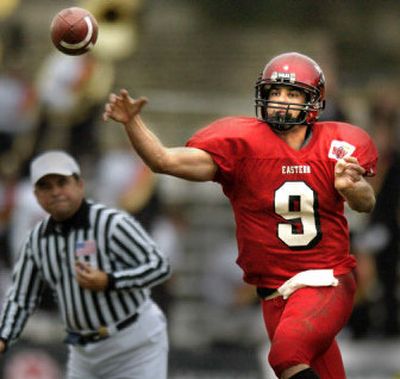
column 308, row 278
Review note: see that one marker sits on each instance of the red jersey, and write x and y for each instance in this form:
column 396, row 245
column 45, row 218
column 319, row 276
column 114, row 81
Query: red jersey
column 289, row 216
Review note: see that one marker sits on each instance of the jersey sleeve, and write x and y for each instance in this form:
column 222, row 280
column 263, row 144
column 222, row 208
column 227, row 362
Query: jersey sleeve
column 359, row 142
column 22, row 297
column 139, row 260
column 368, row 156
column 218, row 141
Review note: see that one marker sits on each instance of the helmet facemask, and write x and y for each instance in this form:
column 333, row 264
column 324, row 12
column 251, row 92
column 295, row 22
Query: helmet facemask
column 296, row 71
column 284, row 120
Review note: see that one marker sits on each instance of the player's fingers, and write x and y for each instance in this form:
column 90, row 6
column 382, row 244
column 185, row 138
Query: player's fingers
column 350, row 159
column 124, row 93
column 340, row 166
column 107, row 113
column 354, row 176
column 141, row 102
column 112, row 97
column 108, row 108
column 356, row 168
column 106, row 116
column 125, row 98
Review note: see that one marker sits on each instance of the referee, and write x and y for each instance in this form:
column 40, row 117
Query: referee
column 100, row 263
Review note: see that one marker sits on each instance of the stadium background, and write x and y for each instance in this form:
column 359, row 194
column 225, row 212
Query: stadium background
column 196, row 61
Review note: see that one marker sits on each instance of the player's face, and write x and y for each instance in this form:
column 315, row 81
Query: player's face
column 60, row 196
column 283, row 102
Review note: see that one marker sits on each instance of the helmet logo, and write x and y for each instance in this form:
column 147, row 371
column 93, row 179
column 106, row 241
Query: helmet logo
column 284, row 76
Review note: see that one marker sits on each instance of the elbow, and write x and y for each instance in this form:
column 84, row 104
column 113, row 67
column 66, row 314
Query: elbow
column 159, row 169
column 156, row 169
column 163, row 166
column 159, row 164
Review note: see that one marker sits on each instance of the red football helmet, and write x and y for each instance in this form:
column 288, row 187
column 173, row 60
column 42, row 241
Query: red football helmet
column 297, row 71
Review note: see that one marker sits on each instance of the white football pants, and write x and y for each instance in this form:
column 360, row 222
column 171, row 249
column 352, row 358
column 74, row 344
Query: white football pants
column 139, row 351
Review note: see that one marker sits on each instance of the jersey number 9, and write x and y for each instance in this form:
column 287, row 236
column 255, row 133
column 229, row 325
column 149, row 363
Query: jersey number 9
column 297, row 204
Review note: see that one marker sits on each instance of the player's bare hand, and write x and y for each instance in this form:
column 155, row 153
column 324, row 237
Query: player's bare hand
column 347, row 173
column 123, row 108
column 90, row 278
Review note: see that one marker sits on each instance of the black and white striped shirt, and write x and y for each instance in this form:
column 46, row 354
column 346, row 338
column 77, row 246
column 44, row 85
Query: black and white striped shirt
column 108, row 239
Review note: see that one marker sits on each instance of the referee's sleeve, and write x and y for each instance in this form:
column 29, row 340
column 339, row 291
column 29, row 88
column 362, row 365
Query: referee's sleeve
column 144, row 265
column 22, row 296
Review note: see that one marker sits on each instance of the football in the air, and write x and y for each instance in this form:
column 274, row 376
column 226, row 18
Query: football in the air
column 74, row 31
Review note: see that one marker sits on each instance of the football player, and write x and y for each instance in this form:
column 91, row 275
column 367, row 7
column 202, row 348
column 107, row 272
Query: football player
column 287, row 176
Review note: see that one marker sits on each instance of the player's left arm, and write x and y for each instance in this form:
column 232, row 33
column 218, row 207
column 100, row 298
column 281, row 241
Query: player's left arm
column 352, row 185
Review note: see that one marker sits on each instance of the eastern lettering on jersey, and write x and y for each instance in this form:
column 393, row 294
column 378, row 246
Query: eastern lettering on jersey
column 296, row 169
column 84, row 248
column 284, row 76
column 340, row 149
